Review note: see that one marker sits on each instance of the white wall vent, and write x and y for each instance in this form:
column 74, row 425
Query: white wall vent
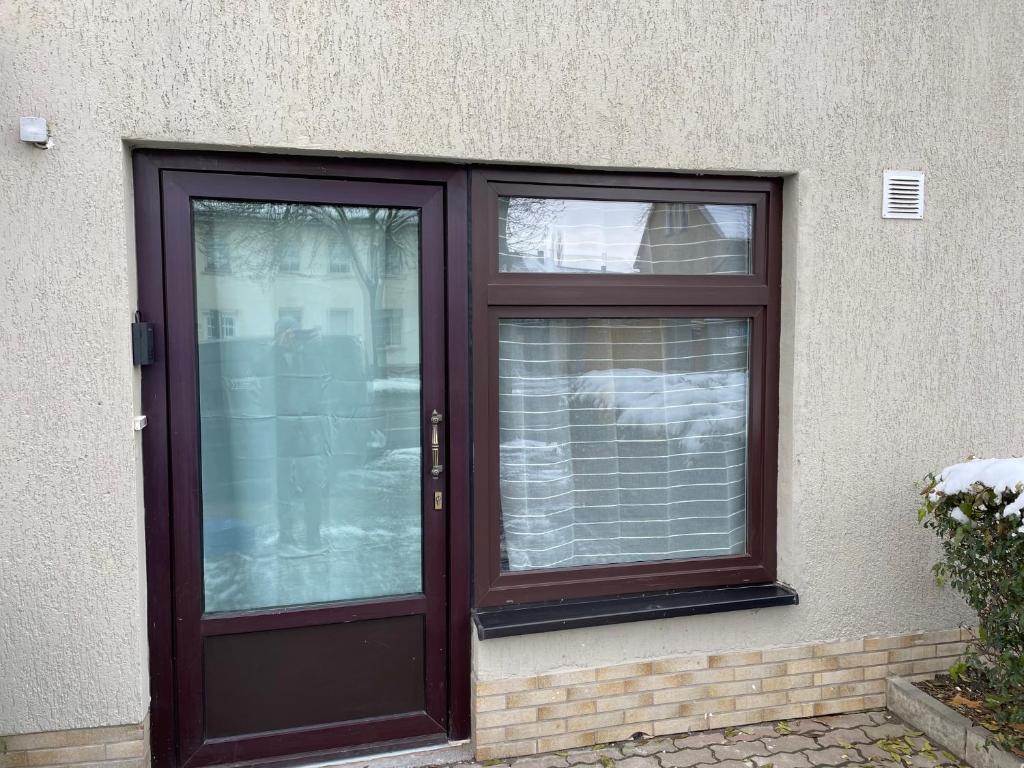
column 903, row 195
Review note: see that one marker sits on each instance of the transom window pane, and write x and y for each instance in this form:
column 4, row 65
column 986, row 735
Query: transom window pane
column 565, row 236
column 622, row 440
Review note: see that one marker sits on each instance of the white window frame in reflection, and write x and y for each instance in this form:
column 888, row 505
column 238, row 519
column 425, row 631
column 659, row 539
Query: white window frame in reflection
column 221, row 324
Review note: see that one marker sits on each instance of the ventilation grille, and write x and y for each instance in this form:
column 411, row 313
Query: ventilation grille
column 903, row 195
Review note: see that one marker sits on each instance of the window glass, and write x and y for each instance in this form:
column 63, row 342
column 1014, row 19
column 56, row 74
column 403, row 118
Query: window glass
column 554, row 235
column 622, row 440
column 309, row 403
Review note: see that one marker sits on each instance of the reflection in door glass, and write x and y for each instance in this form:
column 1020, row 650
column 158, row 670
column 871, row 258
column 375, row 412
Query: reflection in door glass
column 309, row 396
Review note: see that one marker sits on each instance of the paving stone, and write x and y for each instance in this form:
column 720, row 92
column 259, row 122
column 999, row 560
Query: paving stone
column 783, row 760
column 922, row 742
column 921, row 760
column 881, row 716
column 590, row 756
column 804, row 743
column 806, row 725
column 686, row 758
column 832, row 738
column 874, row 754
column 893, row 730
column 854, row 720
column 638, row 762
column 742, row 750
column 833, row 756
column 754, row 732
column 698, row 740
column 790, row 743
column 648, row 747
column 887, row 763
column 550, row 760
column 879, row 757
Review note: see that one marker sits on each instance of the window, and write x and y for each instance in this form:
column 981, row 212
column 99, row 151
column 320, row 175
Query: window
column 220, row 324
column 339, row 263
column 625, row 383
column 290, row 260
column 388, row 327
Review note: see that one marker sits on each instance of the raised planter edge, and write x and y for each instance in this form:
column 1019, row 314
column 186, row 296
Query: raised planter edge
column 946, row 727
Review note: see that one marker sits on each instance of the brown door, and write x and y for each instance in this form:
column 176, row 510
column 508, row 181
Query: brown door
column 304, row 327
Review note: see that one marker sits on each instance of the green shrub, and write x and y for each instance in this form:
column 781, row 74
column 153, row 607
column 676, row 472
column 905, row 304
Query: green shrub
column 975, row 509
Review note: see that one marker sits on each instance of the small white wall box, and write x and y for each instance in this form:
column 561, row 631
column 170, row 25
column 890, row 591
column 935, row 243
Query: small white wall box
column 34, row 130
column 903, row 195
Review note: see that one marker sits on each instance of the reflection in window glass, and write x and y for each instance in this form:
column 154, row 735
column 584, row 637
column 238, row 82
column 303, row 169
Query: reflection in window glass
column 219, row 324
column 552, row 235
column 340, row 322
column 622, row 440
column 310, row 436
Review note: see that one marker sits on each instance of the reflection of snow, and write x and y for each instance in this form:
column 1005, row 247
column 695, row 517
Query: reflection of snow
column 690, row 404
column 370, row 529
column 396, row 385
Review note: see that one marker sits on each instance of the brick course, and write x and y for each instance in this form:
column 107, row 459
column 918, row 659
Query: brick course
column 121, row 746
column 563, row 710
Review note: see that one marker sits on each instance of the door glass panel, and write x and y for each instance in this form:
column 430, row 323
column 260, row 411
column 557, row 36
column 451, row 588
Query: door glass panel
column 622, row 439
column 309, row 398
column 667, row 238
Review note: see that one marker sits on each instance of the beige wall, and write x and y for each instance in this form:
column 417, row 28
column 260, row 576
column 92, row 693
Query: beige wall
column 901, row 343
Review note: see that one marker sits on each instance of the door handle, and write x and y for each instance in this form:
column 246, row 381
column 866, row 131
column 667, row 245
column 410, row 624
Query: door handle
column 435, row 443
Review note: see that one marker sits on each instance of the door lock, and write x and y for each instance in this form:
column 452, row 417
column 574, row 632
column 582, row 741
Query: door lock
column 438, row 501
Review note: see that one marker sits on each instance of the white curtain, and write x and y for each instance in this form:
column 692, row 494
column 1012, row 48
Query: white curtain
column 622, row 440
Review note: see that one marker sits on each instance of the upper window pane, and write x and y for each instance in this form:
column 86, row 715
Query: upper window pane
column 565, row 236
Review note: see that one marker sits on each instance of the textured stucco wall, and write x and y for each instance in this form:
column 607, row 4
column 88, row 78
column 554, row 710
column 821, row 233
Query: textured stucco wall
column 902, row 339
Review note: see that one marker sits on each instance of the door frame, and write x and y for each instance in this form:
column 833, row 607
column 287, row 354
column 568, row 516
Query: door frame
column 149, row 167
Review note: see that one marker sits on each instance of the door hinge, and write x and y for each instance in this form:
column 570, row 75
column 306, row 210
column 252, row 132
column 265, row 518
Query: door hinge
column 142, row 342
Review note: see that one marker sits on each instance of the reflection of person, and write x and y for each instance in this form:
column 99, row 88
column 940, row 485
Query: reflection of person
column 302, row 476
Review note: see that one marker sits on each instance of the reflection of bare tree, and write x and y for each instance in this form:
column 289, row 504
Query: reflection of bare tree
column 525, row 224
column 263, row 239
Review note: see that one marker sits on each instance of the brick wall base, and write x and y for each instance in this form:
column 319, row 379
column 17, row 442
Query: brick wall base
column 526, row 715
column 121, row 746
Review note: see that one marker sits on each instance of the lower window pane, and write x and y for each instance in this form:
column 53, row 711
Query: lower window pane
column 622, row 440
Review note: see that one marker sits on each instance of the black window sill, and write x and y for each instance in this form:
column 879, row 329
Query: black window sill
column 511, row 620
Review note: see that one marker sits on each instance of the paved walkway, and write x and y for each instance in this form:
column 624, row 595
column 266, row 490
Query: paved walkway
column 864, row 740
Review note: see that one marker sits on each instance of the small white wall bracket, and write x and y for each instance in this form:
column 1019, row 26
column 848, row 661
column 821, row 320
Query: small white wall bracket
column 35, row 131
column 139, row 422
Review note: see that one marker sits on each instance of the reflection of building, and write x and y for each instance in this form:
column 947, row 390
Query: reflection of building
column 690, row 239
column 350, row 272
column 539, row 235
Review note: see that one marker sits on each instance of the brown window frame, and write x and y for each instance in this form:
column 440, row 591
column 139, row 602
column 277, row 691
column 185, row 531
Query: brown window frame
column 756, row 296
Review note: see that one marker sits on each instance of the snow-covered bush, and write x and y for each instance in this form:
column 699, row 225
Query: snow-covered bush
column 976, row 510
